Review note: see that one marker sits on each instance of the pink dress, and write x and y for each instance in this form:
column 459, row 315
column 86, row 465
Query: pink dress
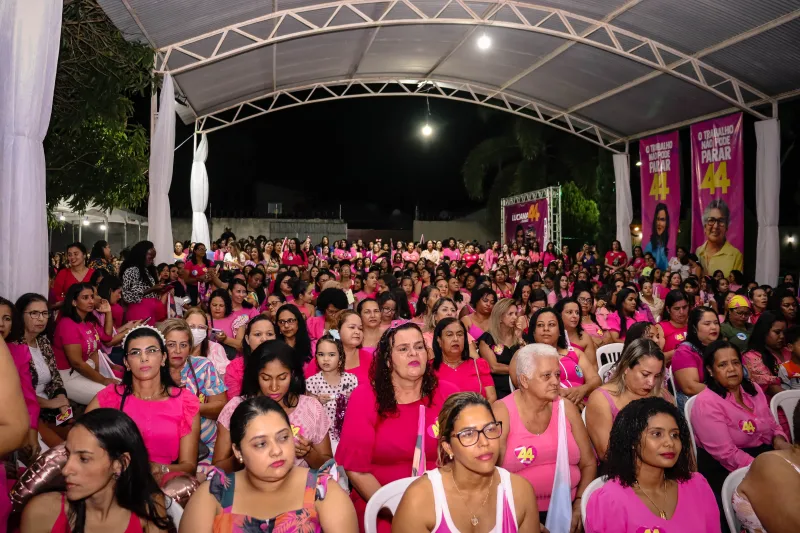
column 384, row 447
column 162, row 423
column 308, row 419
column 617, row 509
column 472, row 375
column 534, row 457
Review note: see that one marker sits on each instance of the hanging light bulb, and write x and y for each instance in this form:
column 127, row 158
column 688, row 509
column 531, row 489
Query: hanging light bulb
column 484, row 42
column 427, row 130
column 86, row 221
column 61, row 217
column 102, row 227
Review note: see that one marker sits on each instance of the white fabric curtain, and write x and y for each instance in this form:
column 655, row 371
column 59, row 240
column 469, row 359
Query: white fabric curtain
column 622, row 173
column 199, row 193
column 30, row 34
column 162, row 148
column 768, row 189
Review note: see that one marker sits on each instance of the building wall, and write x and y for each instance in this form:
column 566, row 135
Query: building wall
column 270, row 228
column 458, row 229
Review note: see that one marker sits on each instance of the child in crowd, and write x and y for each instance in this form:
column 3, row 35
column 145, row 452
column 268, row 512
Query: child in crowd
column 789, row 372
column 332, row 385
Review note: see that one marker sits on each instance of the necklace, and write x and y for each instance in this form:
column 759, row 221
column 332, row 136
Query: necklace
column 661, row 512
column 156, row 395
column 474, row 520
column 452, row 365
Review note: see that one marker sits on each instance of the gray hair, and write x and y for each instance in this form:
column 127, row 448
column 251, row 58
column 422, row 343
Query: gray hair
column 716, row 203
column 528, row 356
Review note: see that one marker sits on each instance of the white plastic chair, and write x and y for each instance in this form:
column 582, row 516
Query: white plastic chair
column 604, row 371
column 687, row 412
column 612, row 353
column 587, row 493
column 388, row 496
column 731, row 482
column 511, row 384
column 174, row 511
column 786, row 400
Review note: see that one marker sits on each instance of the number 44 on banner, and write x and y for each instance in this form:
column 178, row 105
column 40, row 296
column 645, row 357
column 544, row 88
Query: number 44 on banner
column 716, row 178
column 659, row 189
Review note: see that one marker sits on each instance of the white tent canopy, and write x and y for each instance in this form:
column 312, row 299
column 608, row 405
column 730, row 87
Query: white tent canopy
column 97, row 215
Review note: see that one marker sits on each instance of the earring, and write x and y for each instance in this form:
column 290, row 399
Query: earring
column 451, row 456
column 239, row 458
column 116, row 475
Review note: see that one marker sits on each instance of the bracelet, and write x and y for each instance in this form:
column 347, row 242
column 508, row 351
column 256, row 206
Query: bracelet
column 164, row 469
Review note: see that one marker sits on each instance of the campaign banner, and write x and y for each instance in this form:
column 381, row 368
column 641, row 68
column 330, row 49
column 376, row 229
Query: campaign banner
column 527, row 222
column 661, row 195
column 718, row 193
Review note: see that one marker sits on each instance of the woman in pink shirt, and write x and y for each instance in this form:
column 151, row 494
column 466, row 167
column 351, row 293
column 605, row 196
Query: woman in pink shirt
column 560, row 292
column 530, row 418
column 674, row 323
column 410, row 255
column 258, row 331
column 651, row 486
column 687, row 363
column 452, row 361
column 764, row 355
column 76, row 271
column 167, row 415
column 227, row 325
column 616, row 258
column 732, row 420
column 550, row 254
column 350, row 332
column 380, row 430
column 451, row 251
column 627, row 314
column 294, row 255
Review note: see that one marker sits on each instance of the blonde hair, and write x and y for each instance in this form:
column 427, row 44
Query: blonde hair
column 631, row 356
column 177, row 324
column 196, row 311
column 496, row 318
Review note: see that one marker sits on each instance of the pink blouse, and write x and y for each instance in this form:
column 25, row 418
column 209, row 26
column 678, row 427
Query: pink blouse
column 686, row 357
column 759, row 373
column 727, row 427
column 21, row 354
column 613, row 322
column 162, row 423
column 472, row 375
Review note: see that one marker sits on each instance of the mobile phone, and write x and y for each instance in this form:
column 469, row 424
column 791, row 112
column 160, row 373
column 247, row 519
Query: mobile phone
column 213, row 333
column 63, row 417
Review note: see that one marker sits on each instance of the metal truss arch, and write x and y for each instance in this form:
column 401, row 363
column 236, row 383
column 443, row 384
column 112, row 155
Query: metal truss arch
column 652, row 53
column 432, row 88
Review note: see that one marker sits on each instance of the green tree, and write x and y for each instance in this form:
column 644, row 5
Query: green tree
column 532, row 156
column 94, row 153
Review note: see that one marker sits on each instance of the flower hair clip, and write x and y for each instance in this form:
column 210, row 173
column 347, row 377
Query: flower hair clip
column 144, row 326
column 335, row 334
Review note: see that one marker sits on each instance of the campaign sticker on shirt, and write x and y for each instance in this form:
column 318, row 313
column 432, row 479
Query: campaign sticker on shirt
column 747, row 426
column 296, row 430
column 194, row 273
column 525, row 454
column 657, row 529
column 741, row 336
column 498, row 349
column 433, row 430
column 578, row 371
column 680, row 337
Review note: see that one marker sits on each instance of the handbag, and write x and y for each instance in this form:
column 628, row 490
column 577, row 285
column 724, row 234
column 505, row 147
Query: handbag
column 559, row 514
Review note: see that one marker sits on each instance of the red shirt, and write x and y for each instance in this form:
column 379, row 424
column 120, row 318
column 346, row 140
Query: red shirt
column 471, row 259
column 293, row 258
column 66, row 279
column 616, row 259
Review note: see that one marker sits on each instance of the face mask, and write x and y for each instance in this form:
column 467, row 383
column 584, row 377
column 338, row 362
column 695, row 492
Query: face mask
column 198, row 336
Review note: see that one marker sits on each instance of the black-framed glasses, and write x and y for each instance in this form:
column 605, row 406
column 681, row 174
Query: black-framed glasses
column 716, row 221
column 469, row 437
column 287, row 322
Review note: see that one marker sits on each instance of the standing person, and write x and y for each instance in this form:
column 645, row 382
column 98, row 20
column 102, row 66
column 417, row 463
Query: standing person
column 616, row 258
column 75, row 272
column 139, row 288
column 469, row 447
column 650, row 478
column 498, row 345
column 293, row 255
column 687, row 363
column 197, row 274
column 100, row 258
column 674, row 323
column 451, row 251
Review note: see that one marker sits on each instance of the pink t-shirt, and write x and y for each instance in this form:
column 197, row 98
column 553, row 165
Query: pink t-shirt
column 465, row 377
column 162, row 423
column 452, row 255
column 534, row 457
column 673, row 335
column 686, row 357
column 21, row 354
column 617, row 509
column 237, row 319
column 308, row 419
column 86, row 334
column 613, row 322
column 362, row 370
column 727, row 427
column 411, row 257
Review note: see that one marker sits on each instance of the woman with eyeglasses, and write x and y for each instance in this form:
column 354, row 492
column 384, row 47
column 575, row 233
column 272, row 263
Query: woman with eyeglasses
column 737, row 327
column 166, row 414
column 532, row 423
column 589, row 324
column 293, row 331
column 467, row 489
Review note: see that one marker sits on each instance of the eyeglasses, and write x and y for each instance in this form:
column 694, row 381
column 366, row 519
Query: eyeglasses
column 388, row 309
column 584, row 300
column 717, row 221
column 199, row 328
column 287, row 322
column 743, row 312
column 37, row 315
column 147, row 351
column 470, row 436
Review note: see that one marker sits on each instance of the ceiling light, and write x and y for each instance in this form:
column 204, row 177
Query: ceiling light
column 427, row 130
column 790, row 239
column 638, row 163
column 102, row 227
column 484, row 42
column 62, row 218
column 636, row 228
column 85, row 221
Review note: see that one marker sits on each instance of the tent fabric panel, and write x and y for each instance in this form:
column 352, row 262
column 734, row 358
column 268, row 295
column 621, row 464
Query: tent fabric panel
column 588, row 8
column 578, row 74
column 325, row 56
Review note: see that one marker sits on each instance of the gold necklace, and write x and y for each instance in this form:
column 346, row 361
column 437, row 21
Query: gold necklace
column 474, row 520
column 452, row 365
column 661, row 512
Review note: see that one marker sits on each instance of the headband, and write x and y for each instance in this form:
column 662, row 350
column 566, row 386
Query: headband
column 155, row 331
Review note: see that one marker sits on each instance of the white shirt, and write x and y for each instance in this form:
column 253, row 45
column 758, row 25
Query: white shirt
column 42, row 371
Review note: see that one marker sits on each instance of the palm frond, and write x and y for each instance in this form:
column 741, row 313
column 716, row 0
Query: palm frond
column 488, row 155
column 530, row 137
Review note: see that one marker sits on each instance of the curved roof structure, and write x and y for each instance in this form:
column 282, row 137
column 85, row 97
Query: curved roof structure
column 607, row 70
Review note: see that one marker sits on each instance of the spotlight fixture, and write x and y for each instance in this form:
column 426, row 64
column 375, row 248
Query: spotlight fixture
column 427, row 130
column 85, row 221
column 484, row 42
column 61, row 217
column 102, row 227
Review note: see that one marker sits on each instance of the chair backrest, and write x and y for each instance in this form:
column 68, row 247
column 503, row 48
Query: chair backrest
column 687, row 412
column 786, row 400
column 731, row 482
column 610, row 353
column 511, row 384
column 388, row 496
column 604, row 371
column 587, row 493
column 674, row 390
column 174, row 511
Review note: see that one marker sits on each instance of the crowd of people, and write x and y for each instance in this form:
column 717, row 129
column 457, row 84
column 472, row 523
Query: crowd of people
column 277, row 385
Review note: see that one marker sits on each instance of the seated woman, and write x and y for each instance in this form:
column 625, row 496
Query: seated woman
column 292, row 330
column 469, row 447
column 627, row 314
column 500, row 342
column 532, row 422
column 272, row 492
column 674, row 323
column 227, row 326
column 76, row 345
column 764, row 355
column 451, row 360
column 765, row 500
column 329, row 303
column 589, row 324
column 202, row 346
column 259, row 330
column 271, row 371
column 380, row 431
column 483, row 300
column 639, row 373
column 734, row 423
column 578, row 375
column 357, row 361
column 140, row 290
column 687, row 363
column 651, row 486
column 109, row 484
column 198, row 376
column 370, row 315
column 570, row 311
column 166, row 414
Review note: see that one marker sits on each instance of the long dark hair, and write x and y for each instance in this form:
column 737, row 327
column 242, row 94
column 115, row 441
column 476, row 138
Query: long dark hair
column 168, row 385
column 663, row 240
column 18, row 322
column 232, row 284
column 267, row 352
column 225, row 296
column 518, row 294
column 529, row 337
column 135, row 489
column 622, row 295
column 438, row 356
column 246, row 411
column 674, row 296
column 98, row 250
column 380, row 373
column 302, row 342
column 559, row 308
column 625, row 441
column 15, row 317
column 758, row 338
column 69, row 310
column 695, row 315
column 709, row 355
column 137, row 258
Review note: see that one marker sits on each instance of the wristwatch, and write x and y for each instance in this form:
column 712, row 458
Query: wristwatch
column 164, row 469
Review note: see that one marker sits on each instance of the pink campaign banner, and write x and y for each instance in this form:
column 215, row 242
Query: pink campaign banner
column 527, row 221
column 661, row 195
column 718, row 193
